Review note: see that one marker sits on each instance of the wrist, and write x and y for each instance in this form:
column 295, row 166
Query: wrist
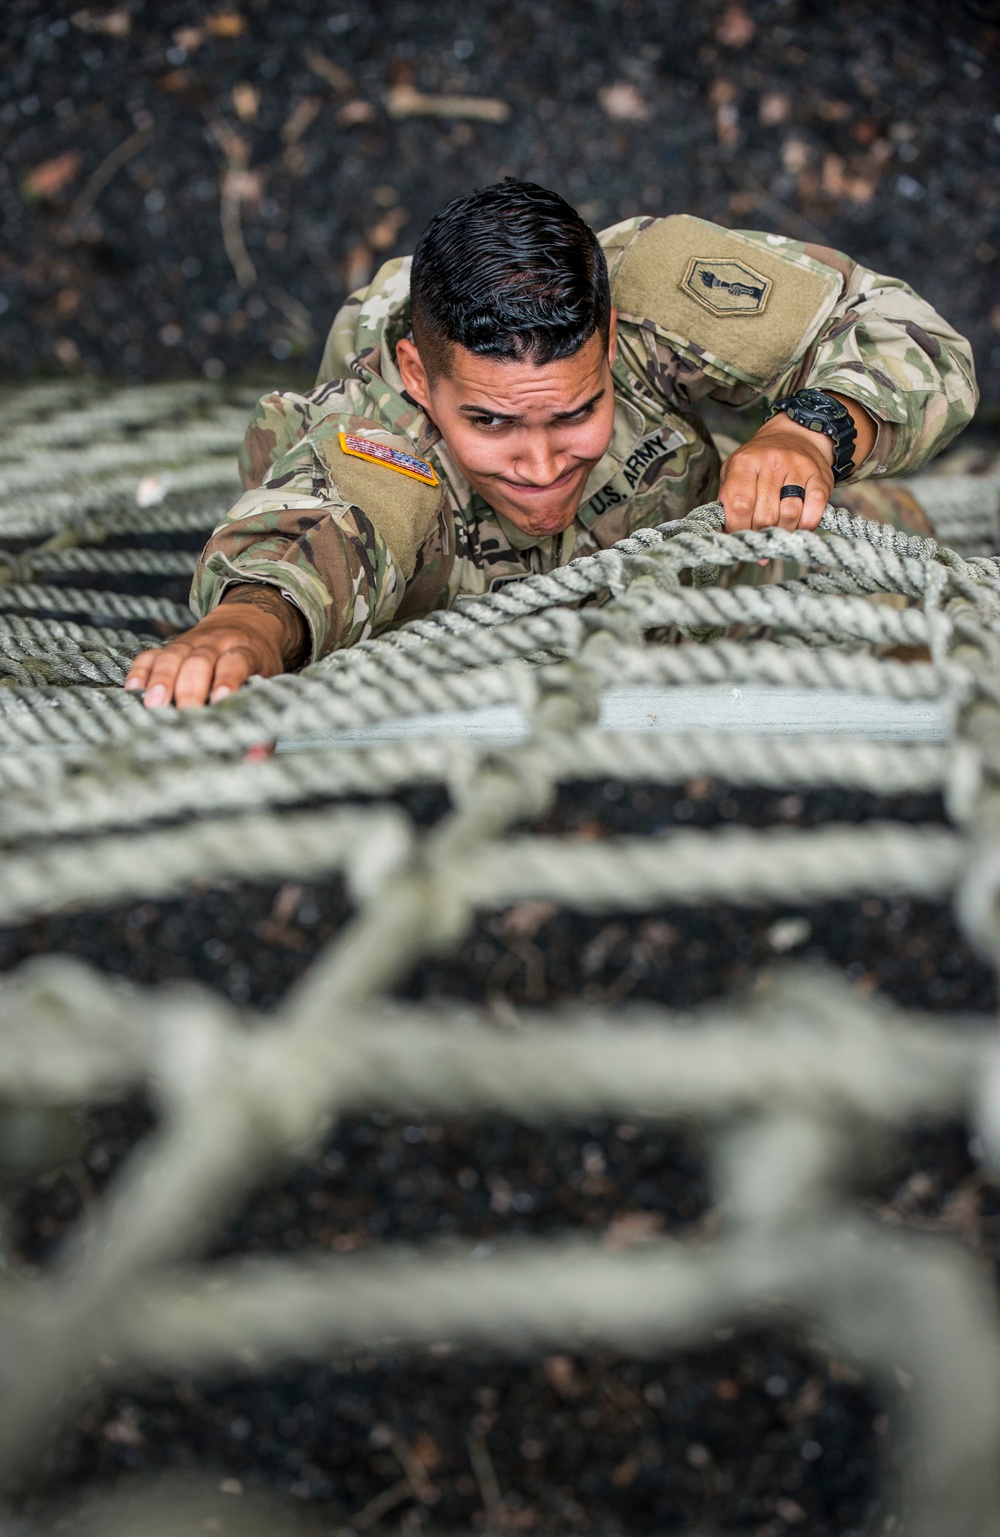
column 824, row 415
column 268, row 616
column 815, row 443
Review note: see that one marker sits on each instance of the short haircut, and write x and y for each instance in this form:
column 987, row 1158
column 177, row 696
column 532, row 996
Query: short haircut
column 509, row 272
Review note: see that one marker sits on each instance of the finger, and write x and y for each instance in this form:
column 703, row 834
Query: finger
column 818, row 490
column 140, row 669
column 162, row 675
column 194, row 679
column 738, row 495
column 231, row 671
column 790, row 510
column 770, row 479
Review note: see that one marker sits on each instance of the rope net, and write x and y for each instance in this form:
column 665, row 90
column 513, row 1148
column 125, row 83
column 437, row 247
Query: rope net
column 103, row 801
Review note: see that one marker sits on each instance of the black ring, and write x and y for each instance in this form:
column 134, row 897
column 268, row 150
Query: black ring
column 799, row 491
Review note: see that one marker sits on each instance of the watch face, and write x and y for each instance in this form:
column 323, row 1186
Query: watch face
column 818, row 400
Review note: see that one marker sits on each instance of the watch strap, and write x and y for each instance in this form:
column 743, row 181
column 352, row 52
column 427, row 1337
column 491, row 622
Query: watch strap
column 820, row 412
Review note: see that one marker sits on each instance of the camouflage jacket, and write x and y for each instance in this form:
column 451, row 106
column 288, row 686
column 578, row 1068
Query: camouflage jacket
column 364, row 531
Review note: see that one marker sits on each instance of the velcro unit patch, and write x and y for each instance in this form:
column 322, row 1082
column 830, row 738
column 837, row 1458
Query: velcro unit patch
column 737, row 307
column 391, row 458
column 726, row 287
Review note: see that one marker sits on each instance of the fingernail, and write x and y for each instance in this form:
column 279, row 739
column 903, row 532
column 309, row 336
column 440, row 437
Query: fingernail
column 155, row 696
column 219, row 693
column 131, row 684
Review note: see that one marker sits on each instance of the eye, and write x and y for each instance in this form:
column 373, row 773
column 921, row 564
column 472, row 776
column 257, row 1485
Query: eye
column 490, row 423
column 582, row 414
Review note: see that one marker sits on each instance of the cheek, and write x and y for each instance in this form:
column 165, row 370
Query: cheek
column 589, row 441
column 476, row 451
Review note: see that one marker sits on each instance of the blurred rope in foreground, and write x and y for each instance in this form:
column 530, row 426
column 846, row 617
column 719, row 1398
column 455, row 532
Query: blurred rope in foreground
column 103, row 801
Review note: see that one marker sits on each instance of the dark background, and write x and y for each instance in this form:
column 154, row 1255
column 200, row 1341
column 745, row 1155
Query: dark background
column 874, row 129
column 129, row 131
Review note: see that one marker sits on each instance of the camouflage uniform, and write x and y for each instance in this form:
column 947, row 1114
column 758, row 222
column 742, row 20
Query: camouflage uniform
column 705, row 313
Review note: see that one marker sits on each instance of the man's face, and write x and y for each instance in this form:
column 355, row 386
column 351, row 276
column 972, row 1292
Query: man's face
column 525, row 436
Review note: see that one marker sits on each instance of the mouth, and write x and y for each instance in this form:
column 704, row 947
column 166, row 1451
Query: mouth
column 525, row 488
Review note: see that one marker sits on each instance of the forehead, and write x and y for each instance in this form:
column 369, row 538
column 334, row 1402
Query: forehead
column 513, row 386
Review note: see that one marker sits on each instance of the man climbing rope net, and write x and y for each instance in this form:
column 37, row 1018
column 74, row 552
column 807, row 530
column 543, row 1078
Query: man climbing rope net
column 524, row 393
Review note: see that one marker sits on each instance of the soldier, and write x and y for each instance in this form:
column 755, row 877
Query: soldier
column 527, row 394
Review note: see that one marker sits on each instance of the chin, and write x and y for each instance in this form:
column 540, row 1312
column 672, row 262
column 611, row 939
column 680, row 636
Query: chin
column 543, row 524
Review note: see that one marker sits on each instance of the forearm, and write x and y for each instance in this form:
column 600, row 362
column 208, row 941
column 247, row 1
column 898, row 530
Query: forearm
column 888, row 352
column 335, row 569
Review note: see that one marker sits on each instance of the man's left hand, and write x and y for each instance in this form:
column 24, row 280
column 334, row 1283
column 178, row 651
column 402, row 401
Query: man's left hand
column 781, row 453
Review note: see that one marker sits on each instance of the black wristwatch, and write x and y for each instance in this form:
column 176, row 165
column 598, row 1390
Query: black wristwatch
column 819, row 412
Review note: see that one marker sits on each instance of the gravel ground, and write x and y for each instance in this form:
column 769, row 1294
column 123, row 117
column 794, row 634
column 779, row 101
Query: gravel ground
column 190, row 190
column 133, row 131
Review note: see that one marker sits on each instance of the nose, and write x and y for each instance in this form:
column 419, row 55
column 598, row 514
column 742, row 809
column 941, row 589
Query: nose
column 538, row 461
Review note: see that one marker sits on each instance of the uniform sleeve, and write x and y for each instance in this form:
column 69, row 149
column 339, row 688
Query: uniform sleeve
column 886, row 348
column 297, row 533
column 743, row 317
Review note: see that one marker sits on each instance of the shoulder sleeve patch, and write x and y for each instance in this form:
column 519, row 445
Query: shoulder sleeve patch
column 402, row 506
column 749, row 308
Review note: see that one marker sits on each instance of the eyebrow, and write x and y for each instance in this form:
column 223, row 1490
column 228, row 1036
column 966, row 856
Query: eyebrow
column 560, row 416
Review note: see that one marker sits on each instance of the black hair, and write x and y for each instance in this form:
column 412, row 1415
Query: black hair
column 509, row 272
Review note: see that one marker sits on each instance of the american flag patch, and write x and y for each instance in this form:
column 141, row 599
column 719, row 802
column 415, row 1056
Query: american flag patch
column 392, row 458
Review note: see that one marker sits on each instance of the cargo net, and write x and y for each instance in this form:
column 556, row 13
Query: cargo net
column 105, row 500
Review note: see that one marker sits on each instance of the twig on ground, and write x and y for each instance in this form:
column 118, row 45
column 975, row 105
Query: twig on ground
column 238, row 185
column 381, row 1505
column 99, row 179
column 407, row 101
column 332, row 73
column 489, row 1487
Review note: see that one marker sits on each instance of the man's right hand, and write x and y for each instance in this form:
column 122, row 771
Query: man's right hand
column 253, row 632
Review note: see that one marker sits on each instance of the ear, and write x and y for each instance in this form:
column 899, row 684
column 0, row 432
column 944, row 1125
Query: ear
column 613, row 337
column 411, row 366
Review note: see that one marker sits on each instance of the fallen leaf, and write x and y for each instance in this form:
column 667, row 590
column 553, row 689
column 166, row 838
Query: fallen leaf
column 53, row 176
column 125, row 1430
column 722, row 92
column 226, row 24
column 727, row 124
column 790, row 1511
column 358, row 267
column 116, row 23
column 622, row 103
column 735, row 28
column 151, row 490
column 631, row 1228
column 67, row 352
column 246, row 100
column 624, row 1474
column 832, row 178
column 67, row 302
column 406, row 101
column 526, row 918
column 189, row 38
column 794, row 155
column 426, row 1450
column 774, row 108
column 174, row 80
column 354, row 112
column 328, row 71
column 561, row 1374
column 383, row 234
